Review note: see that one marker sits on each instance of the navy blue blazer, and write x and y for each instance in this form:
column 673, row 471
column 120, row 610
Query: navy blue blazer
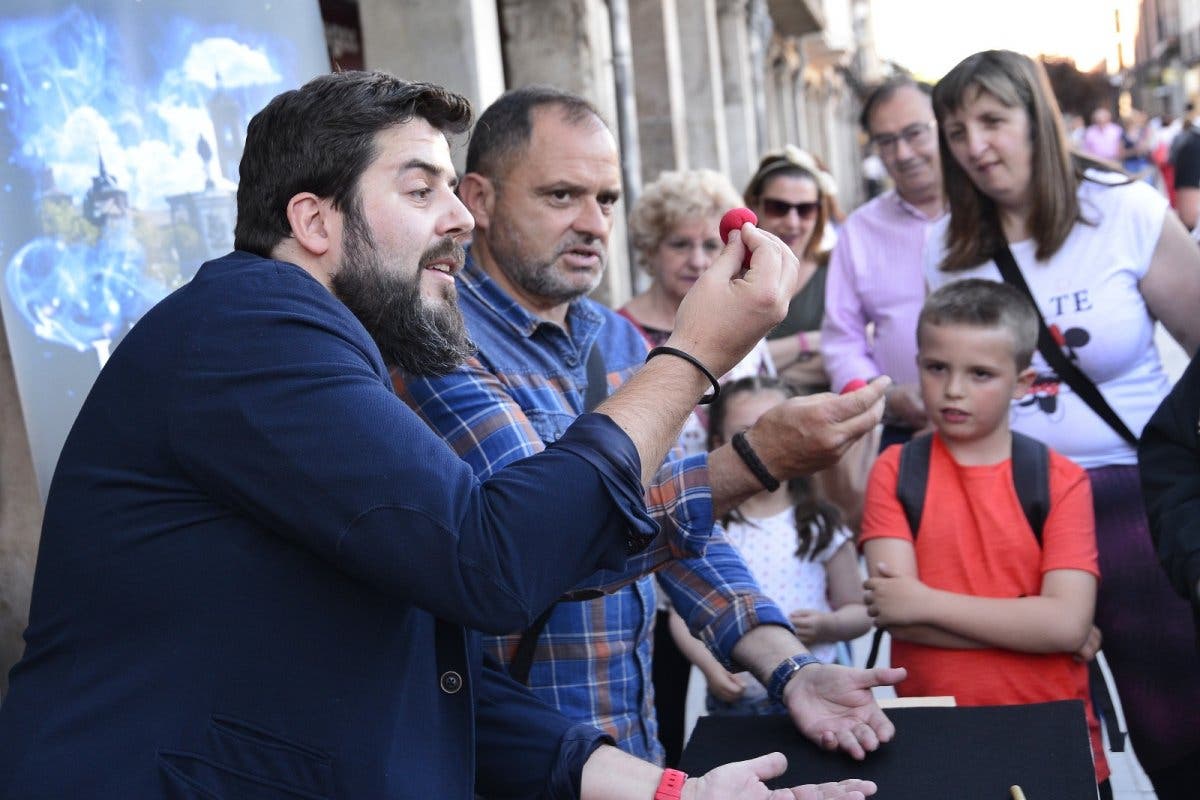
column 258, row 569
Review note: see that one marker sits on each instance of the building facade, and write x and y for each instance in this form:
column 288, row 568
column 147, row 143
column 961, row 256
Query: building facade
column 683, row 83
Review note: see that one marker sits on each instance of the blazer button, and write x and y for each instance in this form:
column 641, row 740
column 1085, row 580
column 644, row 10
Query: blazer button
column 451, row 682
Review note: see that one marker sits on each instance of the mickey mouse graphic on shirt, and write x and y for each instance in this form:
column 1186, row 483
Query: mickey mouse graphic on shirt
column 1042, row 395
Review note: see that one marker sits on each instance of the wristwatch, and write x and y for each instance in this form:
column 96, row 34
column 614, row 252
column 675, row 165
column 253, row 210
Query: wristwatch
column 784, row 672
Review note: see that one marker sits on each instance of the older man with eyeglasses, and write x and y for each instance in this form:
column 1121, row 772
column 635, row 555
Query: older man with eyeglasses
column 875, row 275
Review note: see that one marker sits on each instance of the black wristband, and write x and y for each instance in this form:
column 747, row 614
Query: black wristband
column 673, row 351
column 743, row 449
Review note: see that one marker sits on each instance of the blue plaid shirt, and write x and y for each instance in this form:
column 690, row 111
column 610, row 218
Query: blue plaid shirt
column 523, row 389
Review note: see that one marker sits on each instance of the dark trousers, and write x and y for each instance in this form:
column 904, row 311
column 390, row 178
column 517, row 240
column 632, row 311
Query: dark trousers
column 1149, row 638
column 670, row 671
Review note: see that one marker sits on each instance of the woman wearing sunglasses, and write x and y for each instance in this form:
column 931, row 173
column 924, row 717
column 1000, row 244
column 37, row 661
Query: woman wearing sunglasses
column 795, row 199
column 791, row 195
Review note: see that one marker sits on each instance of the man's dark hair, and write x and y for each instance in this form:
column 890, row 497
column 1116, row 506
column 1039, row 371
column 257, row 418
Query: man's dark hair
column 320, row 138
column 505, row 127
column 884, row 91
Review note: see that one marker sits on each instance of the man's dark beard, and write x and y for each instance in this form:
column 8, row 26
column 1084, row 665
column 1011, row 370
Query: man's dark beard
column 540, row 279
column 419, row 337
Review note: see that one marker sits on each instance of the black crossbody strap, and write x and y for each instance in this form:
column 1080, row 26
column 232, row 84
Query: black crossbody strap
column 912, row 478
column 597, row 390
column 597, row 378
column 1031, row 478
column 1074, row 377
column 523, row 659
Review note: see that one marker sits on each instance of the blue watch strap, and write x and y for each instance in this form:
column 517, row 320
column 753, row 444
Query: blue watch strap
column 784, row 672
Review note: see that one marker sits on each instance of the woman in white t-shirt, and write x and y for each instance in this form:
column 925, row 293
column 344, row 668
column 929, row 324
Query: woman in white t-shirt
column 1104, row 258
column 798, row 551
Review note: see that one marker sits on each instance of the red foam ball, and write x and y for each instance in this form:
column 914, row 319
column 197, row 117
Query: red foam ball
column 853, row 385
column 734, row 219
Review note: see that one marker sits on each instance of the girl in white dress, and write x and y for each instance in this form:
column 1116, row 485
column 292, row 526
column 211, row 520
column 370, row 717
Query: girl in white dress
column 797, row 549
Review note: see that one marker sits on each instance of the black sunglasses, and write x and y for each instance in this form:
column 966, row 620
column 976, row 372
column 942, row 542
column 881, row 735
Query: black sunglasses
column 780, row 208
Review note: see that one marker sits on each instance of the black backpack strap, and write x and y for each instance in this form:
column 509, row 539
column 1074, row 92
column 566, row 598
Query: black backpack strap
column 597, row 378
column 1031, row 477
column 873, row 656
column 913, row 478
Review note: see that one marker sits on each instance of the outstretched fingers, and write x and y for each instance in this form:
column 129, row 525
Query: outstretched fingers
column 770, row 765
column 850, row 789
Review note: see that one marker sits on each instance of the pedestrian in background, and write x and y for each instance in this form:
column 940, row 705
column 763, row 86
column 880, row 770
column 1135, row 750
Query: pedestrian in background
column 793, row 198
column 1102, row 138
column 876, row 287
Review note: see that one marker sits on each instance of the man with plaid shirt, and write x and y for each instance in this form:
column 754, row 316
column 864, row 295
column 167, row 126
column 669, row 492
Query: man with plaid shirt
column 542, row 182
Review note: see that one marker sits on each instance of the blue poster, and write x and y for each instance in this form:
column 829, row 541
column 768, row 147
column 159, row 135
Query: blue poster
column 121, row 126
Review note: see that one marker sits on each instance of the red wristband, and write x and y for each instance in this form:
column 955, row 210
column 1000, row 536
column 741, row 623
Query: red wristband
column 671, row 785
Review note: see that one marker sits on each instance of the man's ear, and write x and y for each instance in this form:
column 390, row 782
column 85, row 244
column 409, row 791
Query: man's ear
column 312, row 222
column 1024, row 382
column 478, row 194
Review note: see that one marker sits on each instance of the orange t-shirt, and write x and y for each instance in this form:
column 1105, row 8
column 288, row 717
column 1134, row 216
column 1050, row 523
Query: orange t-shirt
column 974, row 539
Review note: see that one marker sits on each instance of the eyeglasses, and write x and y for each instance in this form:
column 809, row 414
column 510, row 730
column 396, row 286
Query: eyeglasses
column 773, row 207
column 915, row 135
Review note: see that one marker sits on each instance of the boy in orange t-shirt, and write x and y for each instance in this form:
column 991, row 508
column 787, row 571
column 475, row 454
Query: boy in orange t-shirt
column 977, row 608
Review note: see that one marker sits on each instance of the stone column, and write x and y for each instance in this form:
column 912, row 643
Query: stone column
column 661, row 102
column 708, row 144
column 741, row 121
column 454, row 43
column 787, row 98
column 760, row 29
column 812, row 88
column 565, row 44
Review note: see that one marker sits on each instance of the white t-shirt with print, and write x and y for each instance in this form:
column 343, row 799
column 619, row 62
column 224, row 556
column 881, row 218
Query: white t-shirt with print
column 769, row 547
column 1089, row 291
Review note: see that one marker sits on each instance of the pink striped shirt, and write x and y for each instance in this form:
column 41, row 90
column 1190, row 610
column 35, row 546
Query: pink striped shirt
column 876, row 275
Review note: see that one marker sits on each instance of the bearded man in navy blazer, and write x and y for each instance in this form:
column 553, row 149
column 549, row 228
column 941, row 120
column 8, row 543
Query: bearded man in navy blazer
column 260, row 572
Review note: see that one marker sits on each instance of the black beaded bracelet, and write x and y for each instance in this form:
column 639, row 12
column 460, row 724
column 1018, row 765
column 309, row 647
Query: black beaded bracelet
column 753, row 462
column 674, row 351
